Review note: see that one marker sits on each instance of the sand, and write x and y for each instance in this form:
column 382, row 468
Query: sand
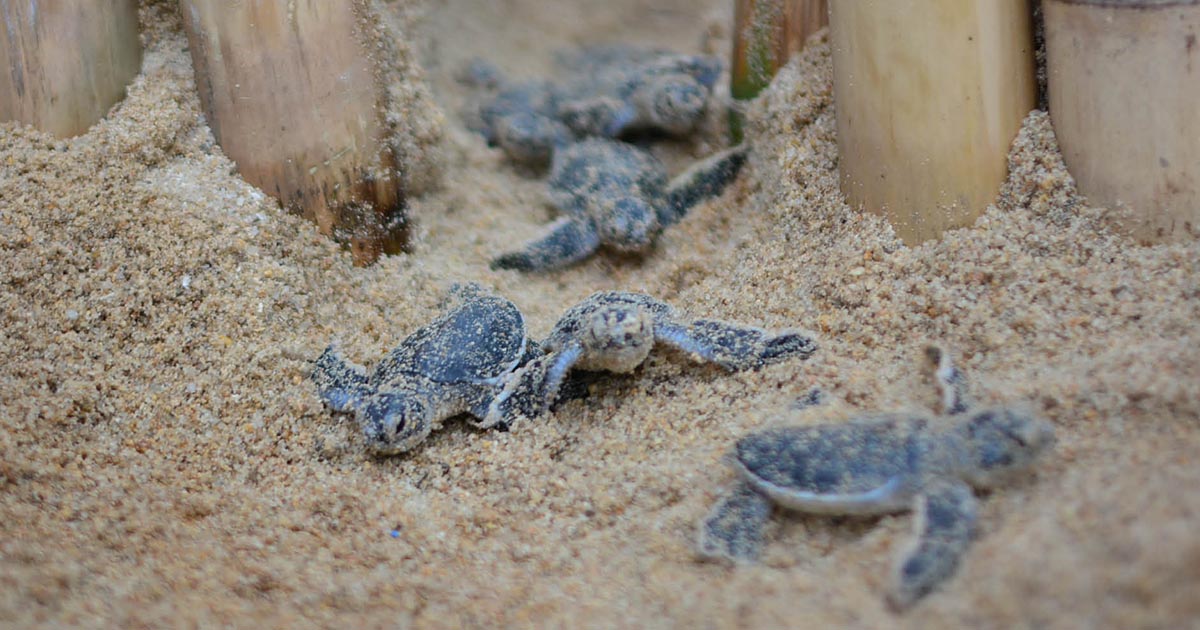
column 167, row 463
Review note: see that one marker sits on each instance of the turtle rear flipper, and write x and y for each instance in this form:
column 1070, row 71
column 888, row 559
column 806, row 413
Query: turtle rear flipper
column 566, row 241
column 733, row 529
column 704, row 179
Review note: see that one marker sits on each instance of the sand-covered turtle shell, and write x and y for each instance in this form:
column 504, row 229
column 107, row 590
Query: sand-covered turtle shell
column 867, row 465
column 596, row 170
column 478, row 342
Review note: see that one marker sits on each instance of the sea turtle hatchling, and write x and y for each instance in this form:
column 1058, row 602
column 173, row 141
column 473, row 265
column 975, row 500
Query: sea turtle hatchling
column 613, row 90
column 615, row 331
column 881, row 464
column 616, row 195
column 450, row 366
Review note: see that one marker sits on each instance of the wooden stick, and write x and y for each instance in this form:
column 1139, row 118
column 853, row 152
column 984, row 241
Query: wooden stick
column 1125, row 102
column 64, row 63
column 929, row 96
column 765, row 35
column 291, row 94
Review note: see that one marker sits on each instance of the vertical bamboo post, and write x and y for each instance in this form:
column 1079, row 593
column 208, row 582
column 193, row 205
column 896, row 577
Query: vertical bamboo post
column 765, row 35
column 64, row 63
column 1125, row 101
column 292, row 95
column 929, row 96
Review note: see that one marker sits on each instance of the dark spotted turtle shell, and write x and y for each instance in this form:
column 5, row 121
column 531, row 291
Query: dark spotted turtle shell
column 477, row 342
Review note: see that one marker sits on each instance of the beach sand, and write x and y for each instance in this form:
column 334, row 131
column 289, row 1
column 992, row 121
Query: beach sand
column 167, row 463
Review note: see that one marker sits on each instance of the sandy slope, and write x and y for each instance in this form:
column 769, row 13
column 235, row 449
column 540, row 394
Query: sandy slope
column 166, row 462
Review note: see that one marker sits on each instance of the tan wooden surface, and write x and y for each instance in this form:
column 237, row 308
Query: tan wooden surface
column 765, row 35
column 1125, row 102
column 65, row 63
column 290, row 93
column 929, row 97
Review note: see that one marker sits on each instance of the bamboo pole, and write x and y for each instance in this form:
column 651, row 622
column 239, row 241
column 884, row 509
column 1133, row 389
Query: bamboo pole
column 292, row 94
column 765, row 35
column 1125, row 101
column 929, row 96
column 64, row 63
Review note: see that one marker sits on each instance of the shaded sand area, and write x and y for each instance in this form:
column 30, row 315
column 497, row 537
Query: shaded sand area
column 165, row 461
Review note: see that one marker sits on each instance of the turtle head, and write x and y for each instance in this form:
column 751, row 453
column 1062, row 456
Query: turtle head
column 673, row 103
column 628, row 224
column 395, row 422
column 617, row 338
column 1003, row 441
column 529, row 137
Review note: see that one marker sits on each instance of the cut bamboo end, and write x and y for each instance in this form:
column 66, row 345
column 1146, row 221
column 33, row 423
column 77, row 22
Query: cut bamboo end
column 1124, row 91
column 65, row 63
column 929, row 97
column 765, row 35
column 292, row 97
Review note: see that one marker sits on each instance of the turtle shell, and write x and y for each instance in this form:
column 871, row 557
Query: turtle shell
column 477, row 342
column 597, row 169
column 866, row 466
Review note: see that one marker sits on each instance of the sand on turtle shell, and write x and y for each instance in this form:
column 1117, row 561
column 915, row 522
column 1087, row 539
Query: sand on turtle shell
column 166, row 462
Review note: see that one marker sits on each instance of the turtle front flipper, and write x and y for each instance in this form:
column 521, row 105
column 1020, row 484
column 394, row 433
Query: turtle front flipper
column 523, row 394
column 733, row 346
column 704, row 179
column 733, row 529
column 558, row 365
column 944, row 527
column 341, row 384
column 951, row 381
column 568, row 240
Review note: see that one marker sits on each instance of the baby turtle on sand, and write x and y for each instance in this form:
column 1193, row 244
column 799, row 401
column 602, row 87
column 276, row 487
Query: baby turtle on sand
column 881, row 464
column 616, row 195
column 615, row 331
column 450, row 366
column 614, row 90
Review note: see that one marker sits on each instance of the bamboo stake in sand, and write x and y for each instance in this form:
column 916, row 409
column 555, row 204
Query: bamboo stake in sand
column 929, row 96
column 1125, row 100
column 291, row 94
column 765, row 35
column 64, row 63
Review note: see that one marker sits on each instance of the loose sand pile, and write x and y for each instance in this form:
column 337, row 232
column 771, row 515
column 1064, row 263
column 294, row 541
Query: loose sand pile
column 165, row 460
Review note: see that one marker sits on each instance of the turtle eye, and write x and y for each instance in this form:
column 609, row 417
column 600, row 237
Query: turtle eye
column 404, row 415
column 392, row 422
